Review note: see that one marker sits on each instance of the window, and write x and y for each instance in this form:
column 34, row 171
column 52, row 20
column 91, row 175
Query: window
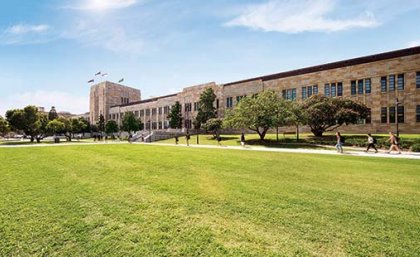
column 113, row 116
column 166, row 110
column 315, row 89
column 400, row 82
column 310, row 91
column 122, row 100
column 136, row 113
column 360, row 87
column 154, row 111
column 391, row 82
column 384, row 115
column 333, row 90
column 418, row 113
column 353, row 87
column 400, row 114
column 340, row 89
column 383, row 85
column 368, row 86
column 289, row 94
column 418, row 79
column 141, row 113
column 327, row 90
column 369, row 117
column 160, row 110
column 217, row 103
column 283, row 94
column 188, row 107
column 195, row 106
column 229, row 102
column 392, row 114
column 239, row 98
column 147, row 112
column 293, row 94
column 304, row 93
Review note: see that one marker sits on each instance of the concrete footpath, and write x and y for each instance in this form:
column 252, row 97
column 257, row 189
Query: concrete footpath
column 347, row 151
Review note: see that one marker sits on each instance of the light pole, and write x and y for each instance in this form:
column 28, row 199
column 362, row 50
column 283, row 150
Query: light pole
column 397, row 103
column 150, row 130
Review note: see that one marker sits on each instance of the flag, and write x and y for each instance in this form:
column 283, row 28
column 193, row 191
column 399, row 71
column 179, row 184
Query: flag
column 91, row 81
column 121, row 80
column 104, row 74
column 98, row 73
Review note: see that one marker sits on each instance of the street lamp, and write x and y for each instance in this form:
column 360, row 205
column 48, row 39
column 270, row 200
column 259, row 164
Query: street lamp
column 150, row 130
column 397, row 103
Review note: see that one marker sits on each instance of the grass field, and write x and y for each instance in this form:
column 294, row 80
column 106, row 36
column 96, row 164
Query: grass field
column 140, row 200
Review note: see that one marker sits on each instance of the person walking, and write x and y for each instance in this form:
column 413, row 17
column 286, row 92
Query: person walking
column 394, row 140
column 242, row 139
column 219, row 139
column 176, row 140
column 340, row 142
column 371, row 143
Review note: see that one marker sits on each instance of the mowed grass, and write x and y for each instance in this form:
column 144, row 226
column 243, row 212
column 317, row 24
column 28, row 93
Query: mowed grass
column 143, row 200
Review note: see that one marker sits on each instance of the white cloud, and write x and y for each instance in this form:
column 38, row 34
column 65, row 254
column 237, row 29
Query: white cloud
column 295, row 16
column 63, row 101
column 21, row 34
column 19, row 29
column 102, row 5
column 414, row 43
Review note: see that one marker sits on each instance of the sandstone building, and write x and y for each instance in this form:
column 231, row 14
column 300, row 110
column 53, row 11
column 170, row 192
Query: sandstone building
column 378, row 80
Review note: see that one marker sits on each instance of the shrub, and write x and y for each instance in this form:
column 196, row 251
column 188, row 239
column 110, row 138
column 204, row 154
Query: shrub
column 415, row 147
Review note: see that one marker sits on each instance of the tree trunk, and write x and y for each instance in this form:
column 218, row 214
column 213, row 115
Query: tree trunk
column 317, row 132
column 32, row 139
column 262, row 133
column 297, row 132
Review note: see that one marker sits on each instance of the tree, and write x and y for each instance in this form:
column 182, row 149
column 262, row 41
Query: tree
column 4, row 126
column 94, row 128
column 101, row 123
column 68, row 128
column 213, row 125
column 295, row 115
column 29, row 121
column 111, row 127
column 55, row 127
column 258, row 113
column 175, row 116
column 130, row 123
column 84, row 125
column 326, row 114
column 206, row 110
column 52, row 115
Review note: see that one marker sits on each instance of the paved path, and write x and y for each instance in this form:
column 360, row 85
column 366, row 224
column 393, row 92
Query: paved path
column 349, row 152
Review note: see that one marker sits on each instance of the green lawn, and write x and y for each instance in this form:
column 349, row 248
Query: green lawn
column 143, row 200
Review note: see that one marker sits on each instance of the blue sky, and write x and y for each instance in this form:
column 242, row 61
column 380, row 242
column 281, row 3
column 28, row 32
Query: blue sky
column 49, row 49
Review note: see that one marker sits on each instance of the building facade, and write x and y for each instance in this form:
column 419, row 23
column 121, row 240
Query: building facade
column 388, row 83
column 107, row 94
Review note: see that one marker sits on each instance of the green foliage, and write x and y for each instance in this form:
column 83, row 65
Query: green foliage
column 4, row 126
column 326, row 114
column 206, row 110
column 259, row 113
column 111, row 127
column 175, row 116
column 130, row 123
column 55, row 127
column 101, row 123
column 415, row 147
column 52, row 115
column 29, row 121
column 213, row 125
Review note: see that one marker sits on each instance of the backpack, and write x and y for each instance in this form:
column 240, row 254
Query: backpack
column 375, row 141
column 397, row 140
column 342, row 139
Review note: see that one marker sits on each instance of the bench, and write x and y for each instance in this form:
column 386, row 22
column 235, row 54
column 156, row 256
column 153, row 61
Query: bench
column 289, row 133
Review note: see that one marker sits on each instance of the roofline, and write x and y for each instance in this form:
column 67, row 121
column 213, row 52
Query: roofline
column 335, row 65
column 144, row 101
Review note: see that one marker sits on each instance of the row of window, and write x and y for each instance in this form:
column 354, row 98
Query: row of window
column 125, row 100
column 388, row 83
column 333, row 89
column 156, row 125
column 361, row 86
column 388, row 114
column 309, row 91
